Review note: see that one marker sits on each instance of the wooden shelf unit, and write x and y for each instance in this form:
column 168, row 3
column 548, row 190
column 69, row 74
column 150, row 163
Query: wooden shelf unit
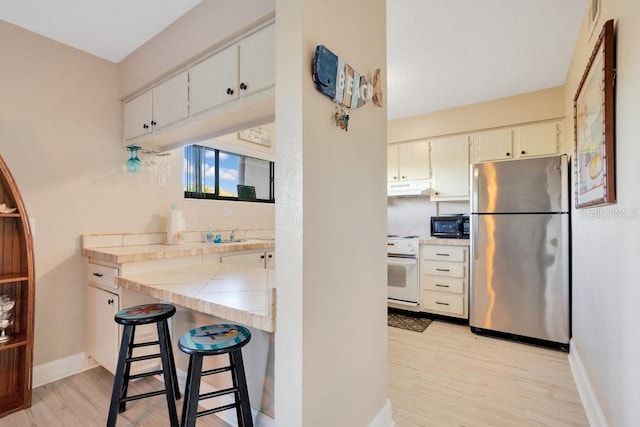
column 17, row 279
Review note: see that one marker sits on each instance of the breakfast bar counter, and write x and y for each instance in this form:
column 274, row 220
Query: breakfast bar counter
column 237, row 293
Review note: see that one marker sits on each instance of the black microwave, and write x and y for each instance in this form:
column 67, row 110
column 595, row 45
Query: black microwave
column 450, row 226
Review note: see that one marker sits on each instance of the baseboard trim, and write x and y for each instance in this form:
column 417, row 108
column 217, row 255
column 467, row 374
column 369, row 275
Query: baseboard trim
column 585, row 390
column 46, row 373
column 383, row 417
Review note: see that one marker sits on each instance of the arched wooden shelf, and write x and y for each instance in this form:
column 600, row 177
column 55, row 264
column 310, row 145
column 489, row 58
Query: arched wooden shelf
column 17, row 279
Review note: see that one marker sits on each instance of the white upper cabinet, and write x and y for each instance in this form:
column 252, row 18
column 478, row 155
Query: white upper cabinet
column 408, row 161
column 171, row 101
column 137, row 116
column 258, row 61
column 450, row 168
column 214, row 81
column 543, row 139
column 228, row 79
column 239, row 70
column 162, row 106
column 493, row 145
column 536, row 140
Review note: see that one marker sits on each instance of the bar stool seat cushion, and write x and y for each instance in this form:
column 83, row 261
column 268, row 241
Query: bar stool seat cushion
column 144, row 313
column 214, row 339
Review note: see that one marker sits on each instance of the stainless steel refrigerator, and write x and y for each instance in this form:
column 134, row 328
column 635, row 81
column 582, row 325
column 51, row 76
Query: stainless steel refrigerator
column 520, row 249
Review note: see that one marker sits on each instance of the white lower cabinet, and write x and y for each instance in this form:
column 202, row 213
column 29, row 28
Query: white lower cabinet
column 102, row 331
column 262, row 259
column 444, row 280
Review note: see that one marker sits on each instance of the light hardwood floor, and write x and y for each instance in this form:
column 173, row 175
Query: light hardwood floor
column 445, row 376
column 82, row 400
column 448, row 376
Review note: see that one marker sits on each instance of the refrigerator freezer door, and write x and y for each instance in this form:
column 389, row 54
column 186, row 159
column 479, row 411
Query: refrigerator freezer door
column 519, row 275
column 529, row 185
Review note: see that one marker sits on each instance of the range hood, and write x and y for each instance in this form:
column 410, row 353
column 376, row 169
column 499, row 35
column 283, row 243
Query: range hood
column 409, row 188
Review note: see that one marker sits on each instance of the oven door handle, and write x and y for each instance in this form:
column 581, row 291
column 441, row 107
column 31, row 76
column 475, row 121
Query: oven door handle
column 402, row 261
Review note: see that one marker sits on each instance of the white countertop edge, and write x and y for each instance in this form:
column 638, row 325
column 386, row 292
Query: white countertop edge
column 258, row 321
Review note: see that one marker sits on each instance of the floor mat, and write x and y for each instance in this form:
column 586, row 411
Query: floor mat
column 412, row 323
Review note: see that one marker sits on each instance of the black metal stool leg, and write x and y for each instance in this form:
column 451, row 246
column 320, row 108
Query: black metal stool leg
column 127, row 335
column 240, row 381
column 127, row 372
column 174, row 375
column 168, row 370
column 192, row 391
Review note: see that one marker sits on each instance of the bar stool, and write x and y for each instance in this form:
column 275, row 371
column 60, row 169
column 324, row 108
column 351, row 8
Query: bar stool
column 213, row 340
column 131, row 317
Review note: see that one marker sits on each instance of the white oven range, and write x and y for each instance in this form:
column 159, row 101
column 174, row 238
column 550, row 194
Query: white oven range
column 403, row 277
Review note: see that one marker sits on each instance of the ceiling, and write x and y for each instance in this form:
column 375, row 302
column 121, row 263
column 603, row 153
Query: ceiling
column 440, row 53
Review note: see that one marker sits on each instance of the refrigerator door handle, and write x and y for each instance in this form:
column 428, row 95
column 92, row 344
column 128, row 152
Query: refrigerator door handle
column 474, row 188
column 474, row 238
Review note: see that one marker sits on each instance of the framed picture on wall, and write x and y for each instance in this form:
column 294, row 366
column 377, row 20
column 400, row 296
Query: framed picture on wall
column 594, row 122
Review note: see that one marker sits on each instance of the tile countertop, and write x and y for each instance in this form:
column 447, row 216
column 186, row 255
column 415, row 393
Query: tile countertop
column 237, row 293
column 138, row 253
column 444, row 242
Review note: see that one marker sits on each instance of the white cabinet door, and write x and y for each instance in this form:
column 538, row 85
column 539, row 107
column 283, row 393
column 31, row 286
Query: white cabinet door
column 171, row 101
column 543, row 139
column 450, row 168
column 493, row 145
column 164, row 105
column 137, row 116
column 255, row 259
column 257, row 61
column 413, row 161
column 214, row 81
column 102, row 331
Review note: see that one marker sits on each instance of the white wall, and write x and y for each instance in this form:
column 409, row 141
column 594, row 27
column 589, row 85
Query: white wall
column 606, row 318
column 330, row 220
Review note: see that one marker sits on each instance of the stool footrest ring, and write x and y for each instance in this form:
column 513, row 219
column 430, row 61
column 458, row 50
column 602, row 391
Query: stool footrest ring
column 214, row 410
column 145, row 374
column 216, row 371
column 145, row 344
column 144, row 357
column 143, row 395
column 218, row 393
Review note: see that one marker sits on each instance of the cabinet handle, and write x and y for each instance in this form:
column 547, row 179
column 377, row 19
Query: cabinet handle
column 441, row 286
column 261, row 256
column 97, row 274
column 153, row 123
column 442, row 254
column 270, row 256
column 145, row 126
column 508, row 154
column 442, row 303
column 442, row 269
column 243, row 86
column 523, row 152
column 110, row 301
column 404, row 177
column 229, row 91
